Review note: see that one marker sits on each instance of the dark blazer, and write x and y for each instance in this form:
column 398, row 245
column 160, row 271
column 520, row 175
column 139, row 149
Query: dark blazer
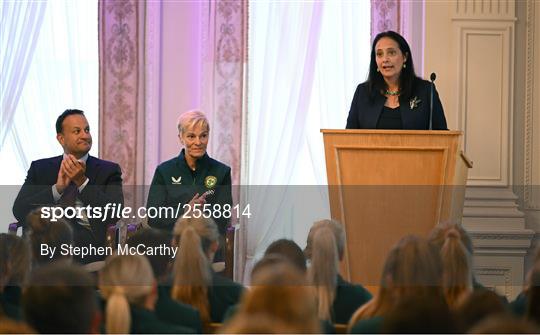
column 104, row 186
column 349, row 297
column 223, row 294
column 365, row 113
column 172, row 311
column 368, row 326
column 175, row 183
column 10, row 302
column 144, row 321
column 223, row 297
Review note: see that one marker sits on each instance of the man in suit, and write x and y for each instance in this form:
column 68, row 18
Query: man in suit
column 73, row 179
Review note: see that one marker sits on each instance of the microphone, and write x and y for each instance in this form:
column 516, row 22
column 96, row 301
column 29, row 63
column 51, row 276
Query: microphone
column 432, row 77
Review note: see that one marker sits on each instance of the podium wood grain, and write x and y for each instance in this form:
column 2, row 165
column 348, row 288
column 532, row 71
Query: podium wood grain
column 385, row 184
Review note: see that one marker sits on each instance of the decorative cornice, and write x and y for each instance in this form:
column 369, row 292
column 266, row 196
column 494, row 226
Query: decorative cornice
column 526, row 236
column 498, row 272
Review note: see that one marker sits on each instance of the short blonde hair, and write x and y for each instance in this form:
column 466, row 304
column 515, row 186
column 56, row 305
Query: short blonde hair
column 190, row 119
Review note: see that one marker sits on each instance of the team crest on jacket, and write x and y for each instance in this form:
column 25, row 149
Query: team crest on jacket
column 210, row 182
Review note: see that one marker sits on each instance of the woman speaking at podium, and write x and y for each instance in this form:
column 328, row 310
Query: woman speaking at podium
column 393, row 97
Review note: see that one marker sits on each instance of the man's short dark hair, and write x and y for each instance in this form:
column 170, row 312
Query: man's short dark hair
column 60, row 298
column 65, row 114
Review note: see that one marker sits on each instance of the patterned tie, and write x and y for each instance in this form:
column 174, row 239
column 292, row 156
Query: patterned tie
column 69, row 196
column 70, row 199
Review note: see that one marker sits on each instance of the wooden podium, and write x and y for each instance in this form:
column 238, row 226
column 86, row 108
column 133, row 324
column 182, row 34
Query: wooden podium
column 385, row 184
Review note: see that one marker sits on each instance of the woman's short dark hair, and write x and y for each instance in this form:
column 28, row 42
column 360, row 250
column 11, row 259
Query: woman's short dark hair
column 376, row 82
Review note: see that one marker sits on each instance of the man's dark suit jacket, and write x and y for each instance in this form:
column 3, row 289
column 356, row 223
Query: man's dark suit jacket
column 365, row 113
column 104, row 186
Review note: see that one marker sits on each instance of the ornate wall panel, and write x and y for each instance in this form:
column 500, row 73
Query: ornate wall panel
column 485, row 99
column 224, row 51
column 129, row 50
column 119, row 86
column 385, row 15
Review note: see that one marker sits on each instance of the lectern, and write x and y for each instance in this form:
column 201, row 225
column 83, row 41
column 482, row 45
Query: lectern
column 385, row 184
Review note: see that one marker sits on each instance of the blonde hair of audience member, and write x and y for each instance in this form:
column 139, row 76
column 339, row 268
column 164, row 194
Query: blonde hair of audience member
column 456, row 262
column 197, row 239
column 325, row 240
column 15, row 260
column 190, row 119
column 504, row 324
column 9, row 326
column 53, row 234
column 256, row 324
column 280, row 291
column 125, row 280
column 412, row 269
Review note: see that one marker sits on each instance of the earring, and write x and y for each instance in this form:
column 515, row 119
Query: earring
column 378, row 70
column 404, row 65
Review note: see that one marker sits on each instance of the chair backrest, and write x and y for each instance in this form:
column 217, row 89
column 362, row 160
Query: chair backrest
column 13, row 227
column 214, row 327
column 340, row 328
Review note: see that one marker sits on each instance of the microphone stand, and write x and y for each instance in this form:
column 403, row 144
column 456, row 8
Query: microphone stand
column 432, row 77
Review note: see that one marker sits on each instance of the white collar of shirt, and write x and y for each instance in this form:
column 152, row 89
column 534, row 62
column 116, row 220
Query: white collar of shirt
column 82, row 159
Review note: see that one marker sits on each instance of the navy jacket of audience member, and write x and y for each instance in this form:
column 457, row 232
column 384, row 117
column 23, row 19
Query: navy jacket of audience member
column 365, row 113
column 144, row 321
column 104, row 186
column 10, row 302
column 349, row 298
column 223, row 294
column 175, row 183
column 175, row 312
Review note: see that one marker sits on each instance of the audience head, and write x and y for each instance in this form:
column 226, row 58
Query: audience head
column 438, row 235
column 43, row 231
column 126, row 280
column 15, row 260
column 325, row 248
column 390, row 48
column 60, row 298
column 420, row 315
column 197, row 240
column 506, row 324
column 412, row 269
column 288, row 249
column 73, row 132
column 456, row 261
column 477, row 306
column 533, row 296
column 270, row 260
column 337, row 231
column 256, row 324
column 151, row 237
column 295, row 307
